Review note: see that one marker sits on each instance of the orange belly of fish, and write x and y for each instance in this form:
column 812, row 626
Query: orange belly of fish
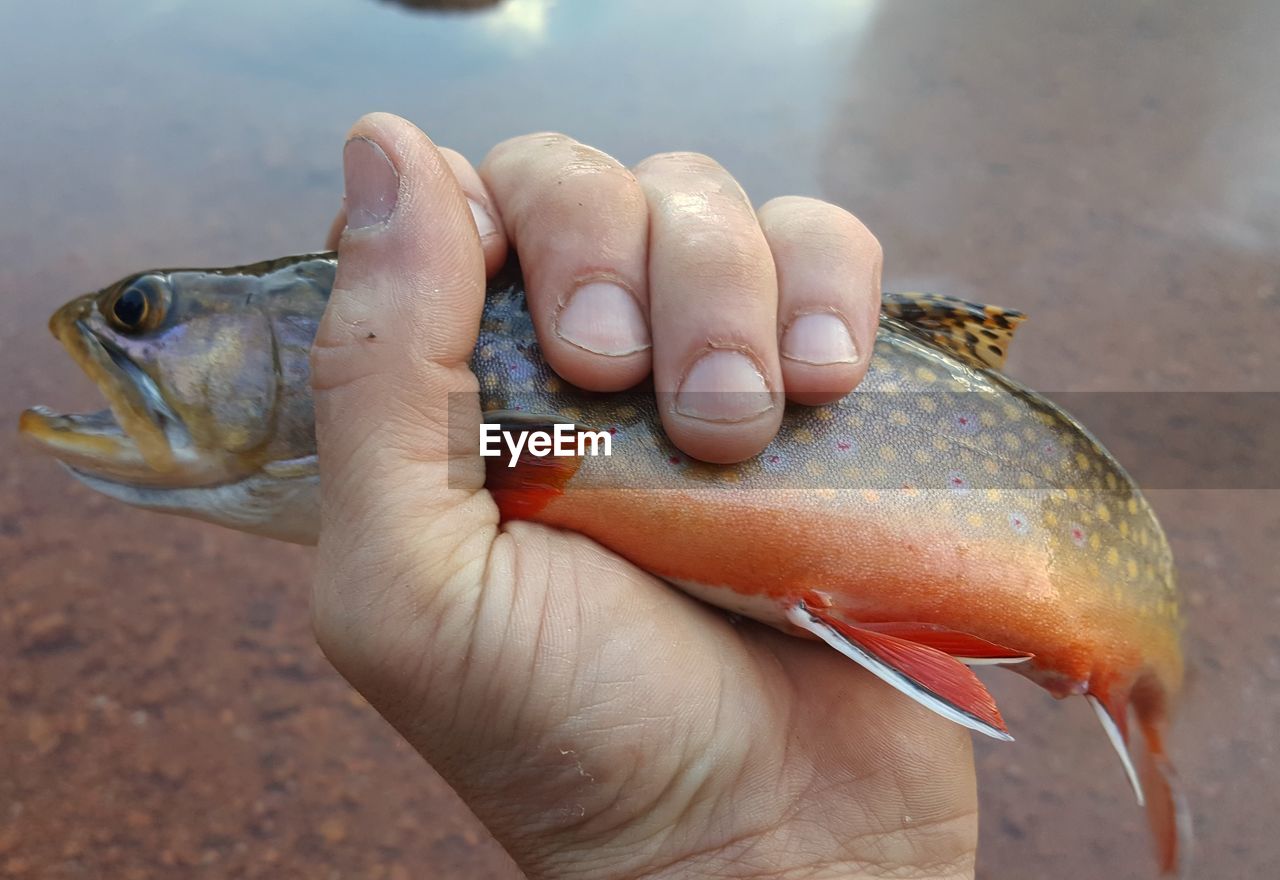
column 760, row 558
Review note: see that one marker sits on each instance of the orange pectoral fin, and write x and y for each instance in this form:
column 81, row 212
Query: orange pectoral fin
column 928, row 675
column 524, row 487
column 965, row 647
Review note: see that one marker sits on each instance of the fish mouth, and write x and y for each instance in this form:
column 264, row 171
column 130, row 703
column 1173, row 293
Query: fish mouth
column 137, row 440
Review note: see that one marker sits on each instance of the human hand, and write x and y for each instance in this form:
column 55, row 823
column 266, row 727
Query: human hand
column 598, row 722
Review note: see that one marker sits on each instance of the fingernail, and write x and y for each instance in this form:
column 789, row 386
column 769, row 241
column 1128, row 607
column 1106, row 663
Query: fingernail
column 819, row 338
column 484, row 220
column 603, row 318
column 372, row 183
column 723, row 385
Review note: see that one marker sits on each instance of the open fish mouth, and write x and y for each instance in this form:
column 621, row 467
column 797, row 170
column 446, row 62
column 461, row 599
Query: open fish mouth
column 138, row 439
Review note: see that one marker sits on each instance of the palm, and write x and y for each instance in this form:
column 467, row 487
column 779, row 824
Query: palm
column 602, row 718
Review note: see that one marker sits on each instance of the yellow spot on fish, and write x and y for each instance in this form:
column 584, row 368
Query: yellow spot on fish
column 814, row 469
column 1113, row 556
column 552, row 384
column 940, row 443
column 626, row 412
column 1012, row 413
column 975, row 520
column 888, row 453
column 1030, row 434
column 1104, row 513
column 926, row 375
column 927, row 405
column 823, row 413
column 1132, row 569
column 993, row 494
column 1095, row 543
column 1050, row 518
column 1111, row 481
column 871, row 495
column 1133, row 505
column 1073, row 494
column 921, row 456
column 898, row 417
column 989, row 465
column 802, row 435
column 1082, row 461
column 1124, row 529
column 988, row 420
column 1026, row 482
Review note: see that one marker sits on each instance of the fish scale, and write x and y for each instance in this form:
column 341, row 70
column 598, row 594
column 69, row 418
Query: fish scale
column 940, row 516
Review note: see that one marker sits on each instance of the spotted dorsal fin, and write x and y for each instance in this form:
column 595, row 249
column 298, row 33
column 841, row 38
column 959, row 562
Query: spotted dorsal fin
column 977, row 334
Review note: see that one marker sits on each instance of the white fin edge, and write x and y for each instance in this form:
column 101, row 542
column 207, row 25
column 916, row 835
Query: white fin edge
column 1117, row 743
column 991, row 661
column 800, row 616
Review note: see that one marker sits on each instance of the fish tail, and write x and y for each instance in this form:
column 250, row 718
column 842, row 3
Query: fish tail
column 1167, row 810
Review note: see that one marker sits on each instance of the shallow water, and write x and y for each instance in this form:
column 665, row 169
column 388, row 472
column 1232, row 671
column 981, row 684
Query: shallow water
column 1109, row 167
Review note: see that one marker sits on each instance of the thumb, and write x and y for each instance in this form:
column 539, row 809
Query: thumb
column 390, row 375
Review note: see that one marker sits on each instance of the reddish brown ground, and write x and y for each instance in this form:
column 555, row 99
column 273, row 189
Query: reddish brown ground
column 1109, row 166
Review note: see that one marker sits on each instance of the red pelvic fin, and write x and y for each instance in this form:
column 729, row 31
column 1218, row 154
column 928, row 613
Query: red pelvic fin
column 928, row 675
column 524, row 488
column 1167, row 811
column 965, row 647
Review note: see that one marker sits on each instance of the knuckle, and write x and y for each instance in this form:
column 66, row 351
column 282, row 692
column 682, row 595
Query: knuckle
column 680, row 162
column 726, row 265
column 812, row 224
column 511, row 155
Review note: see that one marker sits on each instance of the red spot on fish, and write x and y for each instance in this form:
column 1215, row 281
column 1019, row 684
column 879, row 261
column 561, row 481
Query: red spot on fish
column 1019, row 523
column 843, row 445
column 1077, row 535
column 613, row 430
column 675, row 459
column 958, row 483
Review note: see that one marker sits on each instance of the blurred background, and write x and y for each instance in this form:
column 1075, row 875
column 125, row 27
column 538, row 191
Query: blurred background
column 1108, row 166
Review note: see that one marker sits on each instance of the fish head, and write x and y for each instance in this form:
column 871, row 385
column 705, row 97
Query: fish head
column 206, row 378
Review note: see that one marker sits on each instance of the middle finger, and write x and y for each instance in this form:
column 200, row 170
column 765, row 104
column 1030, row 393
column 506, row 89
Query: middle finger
column 713, row 308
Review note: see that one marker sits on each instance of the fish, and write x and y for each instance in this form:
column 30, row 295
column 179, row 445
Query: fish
column 941, row 516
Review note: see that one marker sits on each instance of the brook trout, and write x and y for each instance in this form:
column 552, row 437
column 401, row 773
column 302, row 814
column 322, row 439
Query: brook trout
column 940, row 516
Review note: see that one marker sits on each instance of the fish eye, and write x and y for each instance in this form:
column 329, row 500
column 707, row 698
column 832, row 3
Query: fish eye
column 135, row 307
